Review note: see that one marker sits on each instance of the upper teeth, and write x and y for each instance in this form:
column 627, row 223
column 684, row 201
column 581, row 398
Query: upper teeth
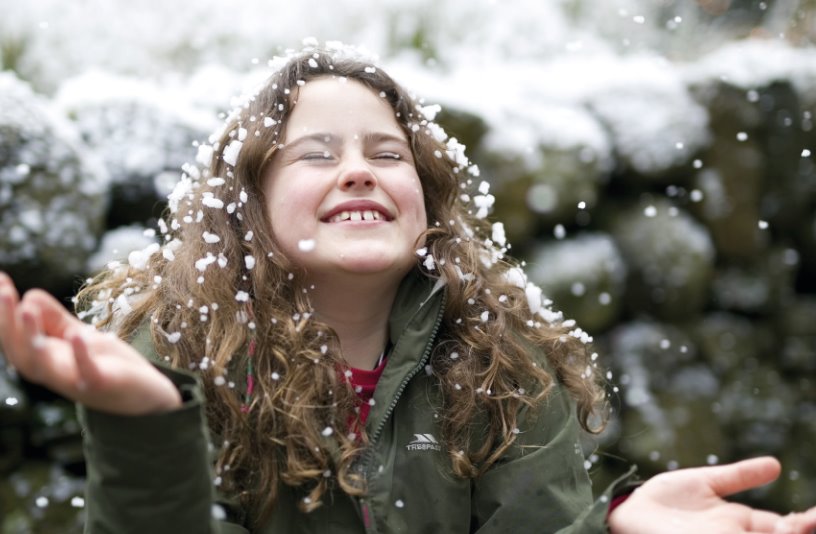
column 365, row 215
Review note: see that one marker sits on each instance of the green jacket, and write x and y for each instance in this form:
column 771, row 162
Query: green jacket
column 152, row 474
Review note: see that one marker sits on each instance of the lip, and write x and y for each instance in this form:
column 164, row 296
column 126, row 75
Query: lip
column 358, row 205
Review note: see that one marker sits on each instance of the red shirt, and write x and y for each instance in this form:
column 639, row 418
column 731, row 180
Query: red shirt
column 364, row 383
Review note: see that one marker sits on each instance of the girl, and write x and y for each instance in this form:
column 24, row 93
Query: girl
column 330, row 309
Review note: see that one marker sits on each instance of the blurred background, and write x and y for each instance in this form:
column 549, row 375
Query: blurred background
column 652, row 161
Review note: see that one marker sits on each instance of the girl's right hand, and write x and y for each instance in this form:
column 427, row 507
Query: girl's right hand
column 49, row 346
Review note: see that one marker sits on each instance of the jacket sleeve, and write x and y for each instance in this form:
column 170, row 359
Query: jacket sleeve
column 541, row 484
column 152, row 474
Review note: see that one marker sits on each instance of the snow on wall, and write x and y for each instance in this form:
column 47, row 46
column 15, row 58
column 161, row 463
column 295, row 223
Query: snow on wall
column 45, row 173
column 118, row 244
column 756, row 63
column 138, row 127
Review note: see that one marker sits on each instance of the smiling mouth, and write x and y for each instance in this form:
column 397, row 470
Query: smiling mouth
column 357, row 215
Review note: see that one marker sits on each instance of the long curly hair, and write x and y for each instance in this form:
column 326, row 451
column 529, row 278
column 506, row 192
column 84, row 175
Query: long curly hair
column 219, row 282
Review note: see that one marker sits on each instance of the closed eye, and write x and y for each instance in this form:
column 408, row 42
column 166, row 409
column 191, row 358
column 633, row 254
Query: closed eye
column 388, row 155
column 320, row 156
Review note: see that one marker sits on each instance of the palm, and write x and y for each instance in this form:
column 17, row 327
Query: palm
column 49, row 346
column 690, row 500
column 698, row 511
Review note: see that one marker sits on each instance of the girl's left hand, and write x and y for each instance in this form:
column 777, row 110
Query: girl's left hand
column 691, row 500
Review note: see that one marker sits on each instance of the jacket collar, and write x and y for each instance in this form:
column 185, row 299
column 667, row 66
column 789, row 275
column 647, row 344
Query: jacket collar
column 416, row 293
column 415, row 318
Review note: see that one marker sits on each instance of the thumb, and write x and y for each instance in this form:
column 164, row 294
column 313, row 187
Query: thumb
column 728, row 479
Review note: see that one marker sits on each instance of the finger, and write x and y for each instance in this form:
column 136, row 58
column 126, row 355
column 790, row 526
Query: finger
column 30, row 361
column 89, row 374
column 6, row 281
column 55, row 319
column 728, row 479
column 801, row 523
column 7, row 286
column 762, row 520
column 9, row 320
column 9, row 323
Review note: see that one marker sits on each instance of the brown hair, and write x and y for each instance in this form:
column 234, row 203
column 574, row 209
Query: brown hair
column 219, row 303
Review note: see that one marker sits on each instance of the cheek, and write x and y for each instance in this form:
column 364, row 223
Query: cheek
column 414, row 198
column 420, row 217
column 286, row 198
column 274, row 209
column 281, row 207
column 419, row 201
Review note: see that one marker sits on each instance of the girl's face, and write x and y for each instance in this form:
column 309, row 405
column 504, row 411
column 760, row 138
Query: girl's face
column 343, row 192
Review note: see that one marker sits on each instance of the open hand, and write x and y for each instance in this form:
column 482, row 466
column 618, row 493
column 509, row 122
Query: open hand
column 51, row 347
column 691, row 500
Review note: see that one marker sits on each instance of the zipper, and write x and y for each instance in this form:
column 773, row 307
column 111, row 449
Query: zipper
column 364, row 507
column 412, row 374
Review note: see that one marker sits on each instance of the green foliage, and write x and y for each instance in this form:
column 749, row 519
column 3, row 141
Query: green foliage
column 12, row 49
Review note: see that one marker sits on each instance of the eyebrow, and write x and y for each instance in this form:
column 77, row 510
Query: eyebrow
column 326, row 138
column 376, row 137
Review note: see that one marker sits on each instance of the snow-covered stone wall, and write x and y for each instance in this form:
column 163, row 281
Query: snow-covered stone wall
column 660, row 184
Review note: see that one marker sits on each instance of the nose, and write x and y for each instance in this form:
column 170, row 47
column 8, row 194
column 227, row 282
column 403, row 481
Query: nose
column 356, row 175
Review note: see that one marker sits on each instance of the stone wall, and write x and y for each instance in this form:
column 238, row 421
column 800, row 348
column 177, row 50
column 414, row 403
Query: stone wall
column 673, row 216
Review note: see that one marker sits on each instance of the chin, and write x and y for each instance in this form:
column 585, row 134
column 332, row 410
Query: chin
column 372, row 258
column 372, row 267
